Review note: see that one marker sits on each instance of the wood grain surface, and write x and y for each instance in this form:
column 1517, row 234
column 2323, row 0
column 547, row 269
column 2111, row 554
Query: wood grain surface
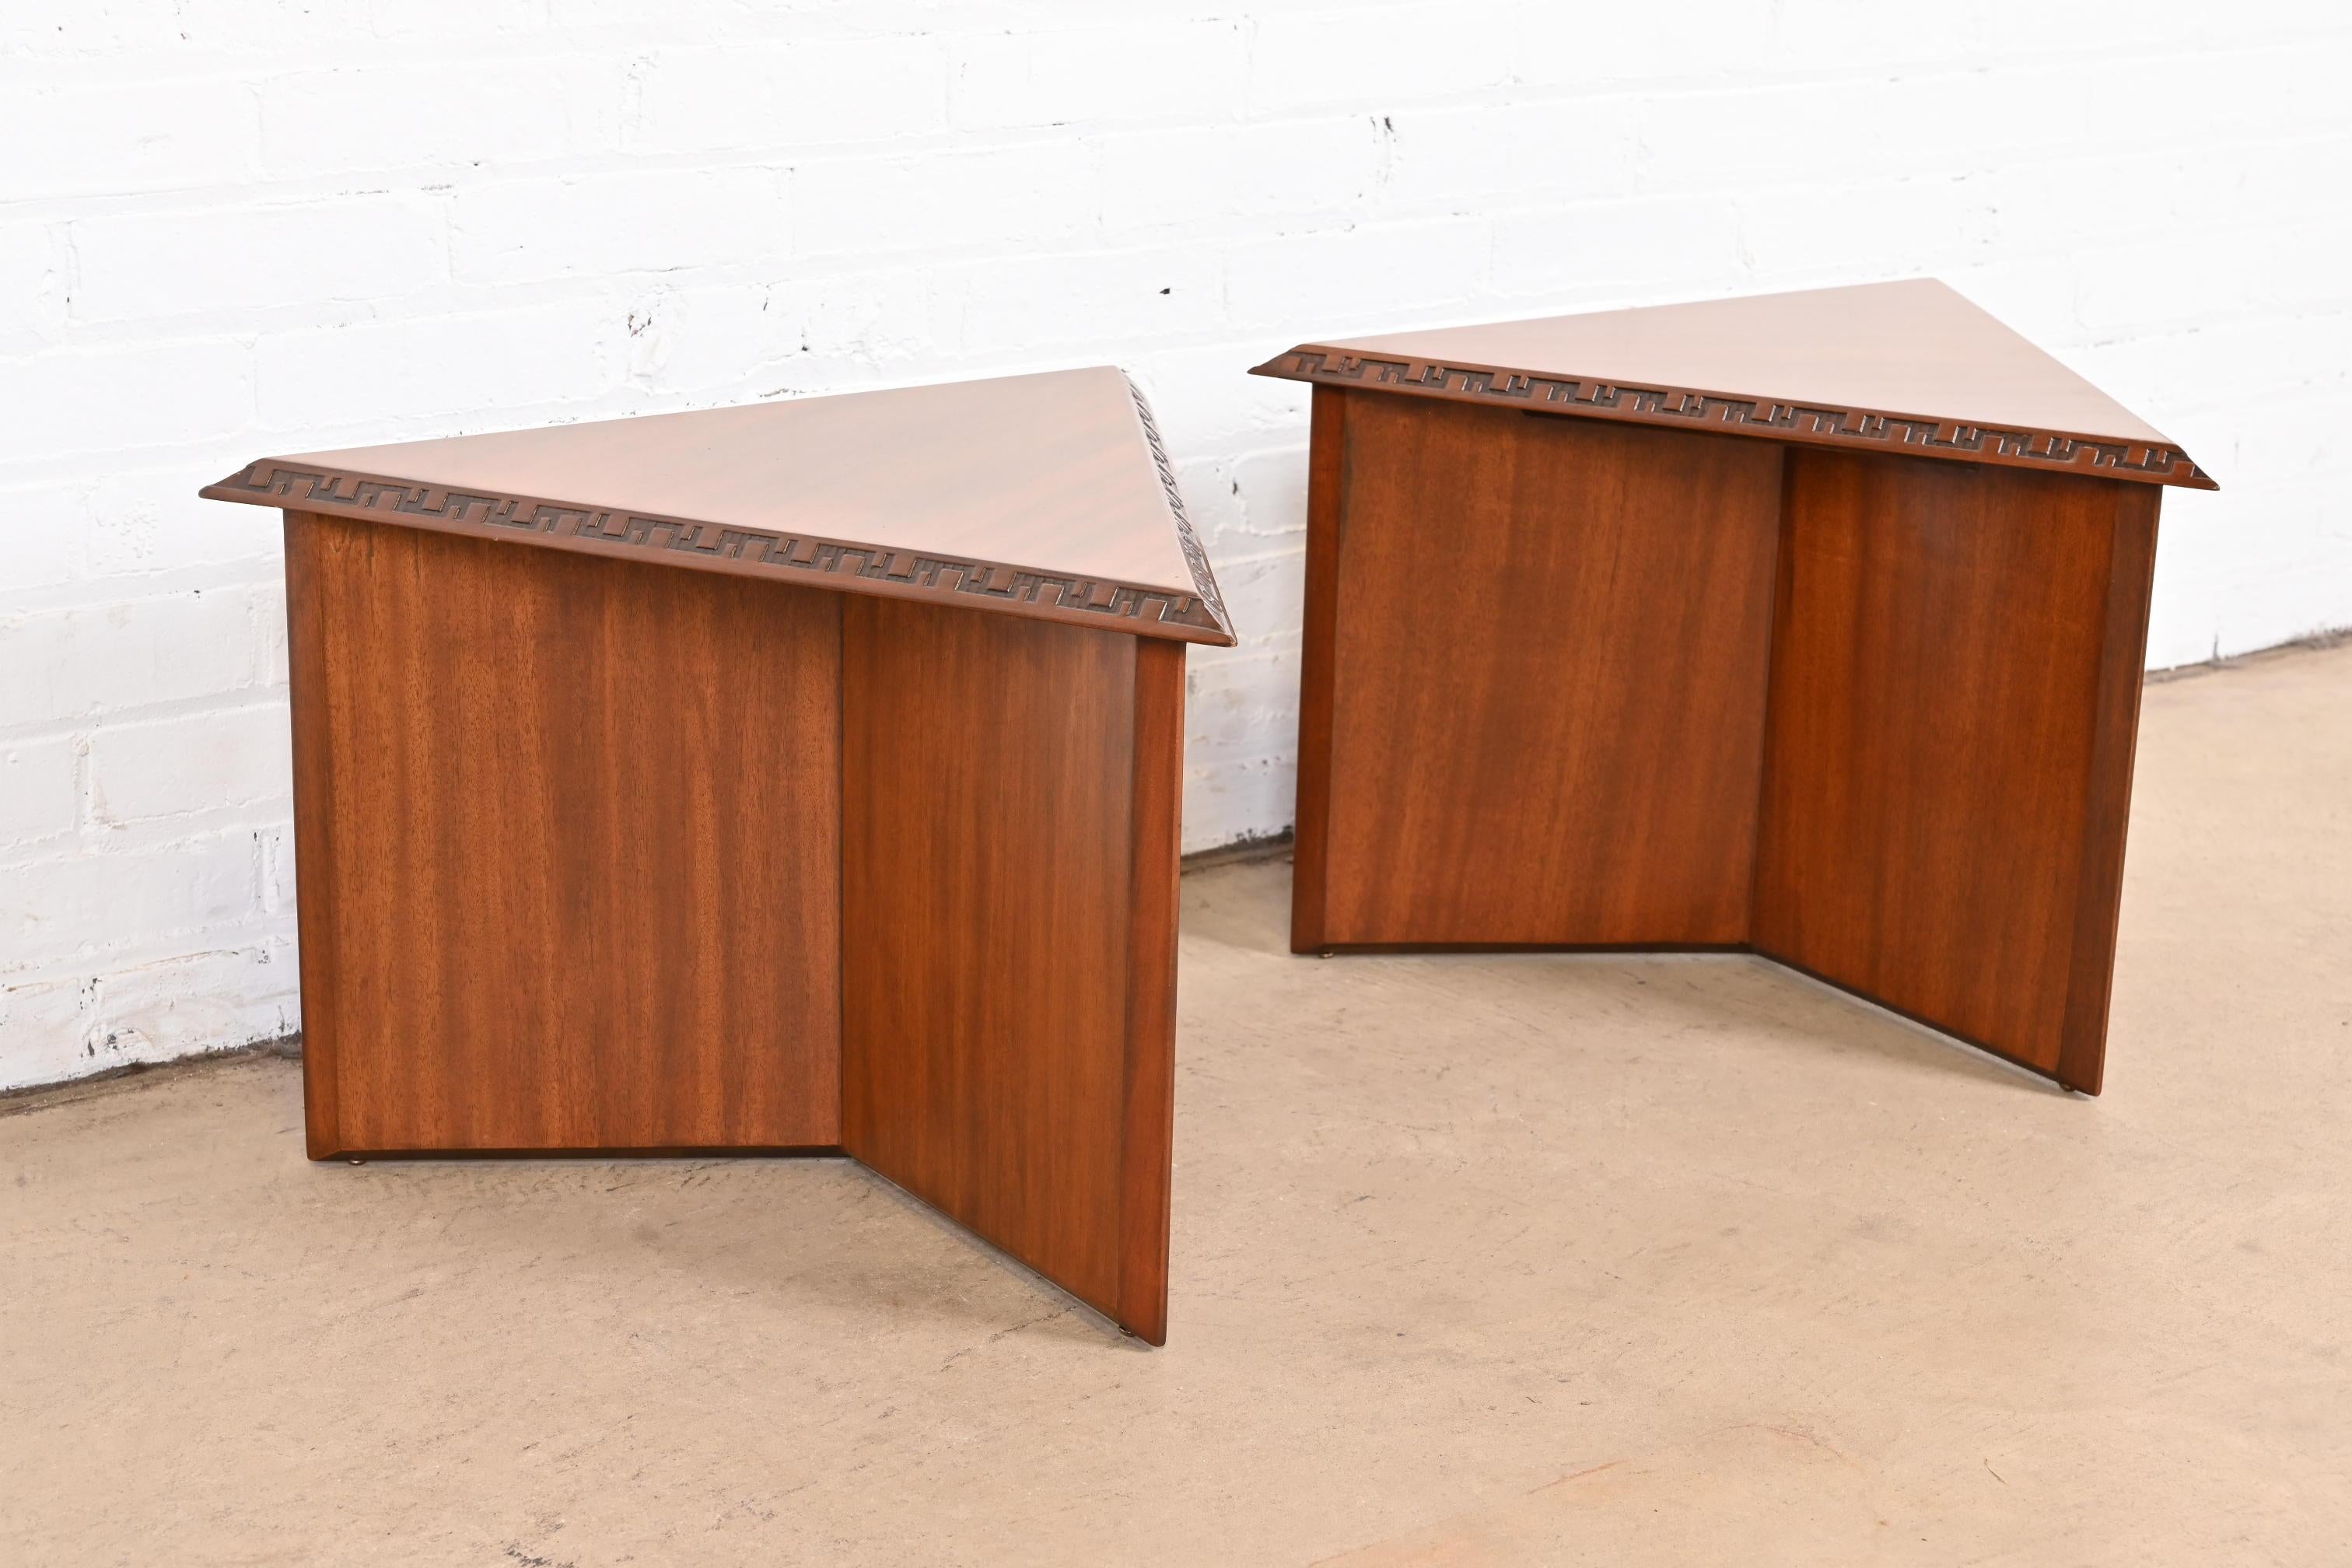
column 1954, row 689
column 1910, row 367
column 1326, row 515
column 1571, row 683
column 1148, row 1106
column 2106, row 807
column 1050, row 496
column 1008, row 851
column 1545, row 678
column 567, row 847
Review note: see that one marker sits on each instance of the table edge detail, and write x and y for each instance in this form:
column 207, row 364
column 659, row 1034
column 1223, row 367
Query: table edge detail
column 847, row 565
column 1682, row 407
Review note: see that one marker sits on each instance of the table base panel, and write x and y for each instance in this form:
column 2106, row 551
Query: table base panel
column 1574, row 685
column 1566, row 749
column 1955, row 687
column 989, row 977
column 597, row 856
column 565, row 832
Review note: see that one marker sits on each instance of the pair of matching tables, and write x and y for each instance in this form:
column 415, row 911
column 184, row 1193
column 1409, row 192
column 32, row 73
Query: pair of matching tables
column 815, row 785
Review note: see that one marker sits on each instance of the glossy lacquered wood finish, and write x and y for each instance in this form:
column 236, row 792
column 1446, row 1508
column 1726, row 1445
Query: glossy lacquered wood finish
column 552, row 897
column 1571, row 683
column 1009, row 848
column 1573, row 758
column 1955, row 687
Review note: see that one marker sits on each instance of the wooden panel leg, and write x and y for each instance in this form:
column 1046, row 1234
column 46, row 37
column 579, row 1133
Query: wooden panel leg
column 1310, row 851
column 1956, row 682
column 1535, row 670
column 1009, row 909
column 567, row 849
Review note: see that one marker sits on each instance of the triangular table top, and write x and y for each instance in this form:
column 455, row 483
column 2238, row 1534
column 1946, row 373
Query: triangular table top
column 1907, row 367
column 1048, row 496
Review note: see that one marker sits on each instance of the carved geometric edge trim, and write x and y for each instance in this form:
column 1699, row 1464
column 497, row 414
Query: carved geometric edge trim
column 1204, row 581
column 1911, row 433
column 840, row 562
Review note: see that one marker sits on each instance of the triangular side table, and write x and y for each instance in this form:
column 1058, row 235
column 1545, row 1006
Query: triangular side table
column 799, row 776
column 1809, row 625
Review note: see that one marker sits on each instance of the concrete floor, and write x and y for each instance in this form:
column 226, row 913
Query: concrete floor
column 1526, row 1258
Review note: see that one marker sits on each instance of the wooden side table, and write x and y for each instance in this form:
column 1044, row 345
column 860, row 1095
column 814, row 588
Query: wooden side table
column 1809, row 625
column 795, row 778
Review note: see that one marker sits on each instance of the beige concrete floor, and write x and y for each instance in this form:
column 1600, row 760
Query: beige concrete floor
column 1528, row 1258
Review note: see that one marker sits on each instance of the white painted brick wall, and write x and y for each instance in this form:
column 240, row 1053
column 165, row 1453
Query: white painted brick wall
column 233, row 226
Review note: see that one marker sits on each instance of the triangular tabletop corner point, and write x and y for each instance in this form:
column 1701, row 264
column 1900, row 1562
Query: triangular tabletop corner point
column 1047, row 494
column 1912, row 367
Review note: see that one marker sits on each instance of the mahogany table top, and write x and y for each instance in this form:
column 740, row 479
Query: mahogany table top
column 1046, row 495
column 1910, row 367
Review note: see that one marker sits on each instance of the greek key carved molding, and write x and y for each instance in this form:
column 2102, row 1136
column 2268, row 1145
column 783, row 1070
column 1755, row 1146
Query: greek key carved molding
column 1687, row 408
column 1203, row 581
column 747, row 551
